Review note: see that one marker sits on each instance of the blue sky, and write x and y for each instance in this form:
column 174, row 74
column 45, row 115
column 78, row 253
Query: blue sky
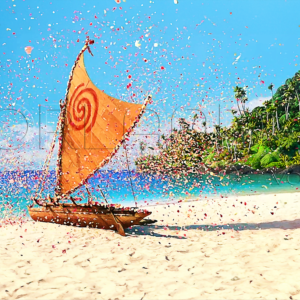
column 190, row 53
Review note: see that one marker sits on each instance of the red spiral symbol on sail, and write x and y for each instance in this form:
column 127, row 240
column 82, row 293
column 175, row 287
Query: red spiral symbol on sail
column 83, row 108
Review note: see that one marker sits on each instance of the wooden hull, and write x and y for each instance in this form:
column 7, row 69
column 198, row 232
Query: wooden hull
column 88, row 216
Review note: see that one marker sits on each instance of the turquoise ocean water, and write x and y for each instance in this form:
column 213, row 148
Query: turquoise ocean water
column 16, row 188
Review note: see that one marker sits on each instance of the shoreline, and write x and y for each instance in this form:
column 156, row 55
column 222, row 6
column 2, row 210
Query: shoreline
column 217, row 198
column 240, row 169
column 259, row 208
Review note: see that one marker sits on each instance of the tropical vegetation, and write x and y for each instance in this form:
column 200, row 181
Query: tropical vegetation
column 266, row 137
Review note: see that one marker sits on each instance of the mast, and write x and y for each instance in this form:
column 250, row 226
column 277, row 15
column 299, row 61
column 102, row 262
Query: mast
column 93, row 127
column 62, row 117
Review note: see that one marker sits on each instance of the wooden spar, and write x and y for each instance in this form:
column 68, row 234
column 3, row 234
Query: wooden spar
column 89, row 195
column 118, row 225
column 63, row 107
column 71, row 198
column 103, row 195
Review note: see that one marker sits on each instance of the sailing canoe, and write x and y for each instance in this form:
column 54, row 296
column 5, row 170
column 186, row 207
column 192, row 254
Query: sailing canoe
column 92, row 127
column 93, row 216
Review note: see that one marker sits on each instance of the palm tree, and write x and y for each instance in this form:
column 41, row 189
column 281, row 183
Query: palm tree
column 204, row 124
column 275, row 105
column 271, row 110
column 244, row 98
column 251, row 126
column 240, row 94
column 259, row 115
column 270, row 87
column 267, row 106
column 237, row 95
column 288, row 96
column 293, row 87
column 195, row 117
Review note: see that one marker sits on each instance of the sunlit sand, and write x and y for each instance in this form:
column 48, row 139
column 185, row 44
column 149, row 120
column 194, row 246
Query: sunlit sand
column 229, row 248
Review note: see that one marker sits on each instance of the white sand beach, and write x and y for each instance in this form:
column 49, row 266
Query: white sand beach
column 255, row 256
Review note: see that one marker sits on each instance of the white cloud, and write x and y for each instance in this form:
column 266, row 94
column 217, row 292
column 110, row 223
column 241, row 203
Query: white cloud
column 256, row 102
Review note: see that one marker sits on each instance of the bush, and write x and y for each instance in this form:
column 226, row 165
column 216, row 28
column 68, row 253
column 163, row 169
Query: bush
column 255, row 163
column 254, row 149
column 270, row 158
column 254, row 160
column 263, row 150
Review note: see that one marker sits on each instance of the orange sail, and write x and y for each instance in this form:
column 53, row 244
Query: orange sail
column 94, row 127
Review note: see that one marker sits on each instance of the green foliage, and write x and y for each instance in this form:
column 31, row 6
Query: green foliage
column 269, row 158
column 282, row 120
column 285, row 160
column 296, row 159
column 269, row 136
column 254, row 149
column 255, row 160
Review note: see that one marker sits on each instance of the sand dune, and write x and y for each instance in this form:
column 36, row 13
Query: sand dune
column 208, row 249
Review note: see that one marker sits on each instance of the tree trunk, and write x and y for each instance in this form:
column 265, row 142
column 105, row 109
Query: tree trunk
column 250, row 141
column 287, row 111
column 237, row 102
column 217, row 146
column 228, row 145
column 277, row 120
column 244, row 106
column 273, row 126
column 267, row 116
column 235, row 152
column 298, row 99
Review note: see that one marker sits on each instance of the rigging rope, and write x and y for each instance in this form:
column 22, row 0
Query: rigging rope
column 133, row 193
column 130, row 176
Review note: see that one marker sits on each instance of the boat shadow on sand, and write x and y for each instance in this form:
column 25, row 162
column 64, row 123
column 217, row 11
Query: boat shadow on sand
column 151, row 229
